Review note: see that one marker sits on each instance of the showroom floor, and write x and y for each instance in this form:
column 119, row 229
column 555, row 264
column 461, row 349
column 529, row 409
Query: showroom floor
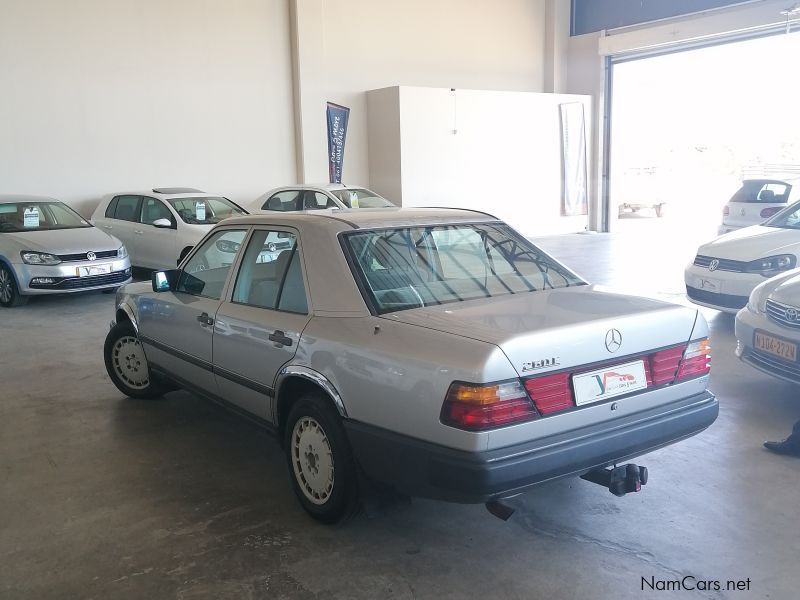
column 108, row 497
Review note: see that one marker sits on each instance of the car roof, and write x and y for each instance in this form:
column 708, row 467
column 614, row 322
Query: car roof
column 329, row 187
column 166, row 193
column 12, row 198
column 794, row 179
column 364, row 218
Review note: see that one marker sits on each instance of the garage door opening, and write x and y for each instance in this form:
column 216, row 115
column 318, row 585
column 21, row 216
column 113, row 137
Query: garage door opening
column 688, row 127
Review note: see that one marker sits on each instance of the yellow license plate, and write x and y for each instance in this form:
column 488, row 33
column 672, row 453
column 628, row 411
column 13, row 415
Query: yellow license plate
column 776, row 346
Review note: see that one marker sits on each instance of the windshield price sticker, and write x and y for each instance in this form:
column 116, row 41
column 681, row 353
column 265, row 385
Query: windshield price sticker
column 609, row 382
column 200, row 211
column 353, row 200
column 30, row 218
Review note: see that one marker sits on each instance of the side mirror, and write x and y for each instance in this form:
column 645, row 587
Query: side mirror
column 162, row 223
column 164, row 281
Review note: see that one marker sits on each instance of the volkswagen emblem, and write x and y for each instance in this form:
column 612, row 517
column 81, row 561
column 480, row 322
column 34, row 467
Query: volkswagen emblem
column 91, row 256
column 791, row 314
column 713, row 265
column 613, row 340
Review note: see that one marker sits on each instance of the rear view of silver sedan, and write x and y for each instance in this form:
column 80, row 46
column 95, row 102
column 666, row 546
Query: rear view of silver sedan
column 48, row 248
column 436, row 351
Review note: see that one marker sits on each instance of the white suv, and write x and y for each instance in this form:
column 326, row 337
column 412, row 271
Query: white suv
column 756, row 201
column 160, row 226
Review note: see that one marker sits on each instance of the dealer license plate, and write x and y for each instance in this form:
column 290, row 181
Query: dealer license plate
column 708, row 284
column 609, row 382
column 93, row 270
column 776, row 346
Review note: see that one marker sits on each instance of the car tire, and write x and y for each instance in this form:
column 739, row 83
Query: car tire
column 127, row 365
column 9, row 292
column 320, row 461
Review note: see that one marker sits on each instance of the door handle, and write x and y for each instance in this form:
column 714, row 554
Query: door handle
column 204, row 319
column 280, row 338
column 107, row 227
column 138, row 231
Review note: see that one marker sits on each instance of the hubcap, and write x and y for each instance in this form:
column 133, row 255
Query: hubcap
column 6, row 290
column 129, row 362
column 312, row 460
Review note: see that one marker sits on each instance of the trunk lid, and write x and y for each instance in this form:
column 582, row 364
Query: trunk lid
column 560, row 329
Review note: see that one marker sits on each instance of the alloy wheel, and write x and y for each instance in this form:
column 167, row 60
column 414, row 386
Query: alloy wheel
column 312, row 460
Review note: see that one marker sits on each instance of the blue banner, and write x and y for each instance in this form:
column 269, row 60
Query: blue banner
column 337, row 132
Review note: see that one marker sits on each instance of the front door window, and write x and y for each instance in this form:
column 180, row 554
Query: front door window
column 207, row 270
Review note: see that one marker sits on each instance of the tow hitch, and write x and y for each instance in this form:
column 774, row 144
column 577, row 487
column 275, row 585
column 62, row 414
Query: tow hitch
column 619, row 480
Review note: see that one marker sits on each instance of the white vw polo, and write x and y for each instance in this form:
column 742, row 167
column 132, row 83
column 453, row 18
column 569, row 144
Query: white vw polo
column 727, row 269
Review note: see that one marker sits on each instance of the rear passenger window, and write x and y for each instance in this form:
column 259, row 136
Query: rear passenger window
column 128, row 208
column 111, row 208
column 270, row 275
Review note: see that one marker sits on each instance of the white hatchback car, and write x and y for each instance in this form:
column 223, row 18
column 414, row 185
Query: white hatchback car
column 768, row 329
column 757, row 200
column 318, row 197
column 160, row 226
column 726, row 270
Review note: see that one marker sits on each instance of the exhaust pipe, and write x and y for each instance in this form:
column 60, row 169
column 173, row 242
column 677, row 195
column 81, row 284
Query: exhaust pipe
column 619, row 480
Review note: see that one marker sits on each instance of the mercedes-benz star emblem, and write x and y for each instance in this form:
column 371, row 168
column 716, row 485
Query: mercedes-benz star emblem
column 791, row 314
column 613, row 340
column 713, row 265
column 91, row 256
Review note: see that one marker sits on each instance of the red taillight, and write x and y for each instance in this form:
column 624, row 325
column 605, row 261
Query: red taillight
column 664, row 365
column 550, row 393
column 726, row 211
column 768, row 212
column 696, row 361
column 478, row 407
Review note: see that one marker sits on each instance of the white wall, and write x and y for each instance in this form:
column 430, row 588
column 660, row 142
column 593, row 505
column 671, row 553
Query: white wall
column 357, row 45
column 504, row 157
column 102, row 95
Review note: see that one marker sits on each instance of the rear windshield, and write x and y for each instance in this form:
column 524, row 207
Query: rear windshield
column 411, row 267
column 361, row 198
column 764, row 191
column 205, row 210
column 16, row 217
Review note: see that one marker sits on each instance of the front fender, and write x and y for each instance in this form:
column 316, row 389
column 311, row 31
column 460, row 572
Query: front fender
column 124, row 307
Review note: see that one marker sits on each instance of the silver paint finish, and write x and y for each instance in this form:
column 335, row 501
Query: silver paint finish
column 171, row 319
column 394, row 371
column 313, row 376
column 242, row 346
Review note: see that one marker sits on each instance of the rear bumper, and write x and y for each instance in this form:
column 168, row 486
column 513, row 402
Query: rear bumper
column 423, row 469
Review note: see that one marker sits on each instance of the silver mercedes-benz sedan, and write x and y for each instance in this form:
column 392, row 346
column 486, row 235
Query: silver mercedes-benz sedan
column 434, row 350
column 48, row 248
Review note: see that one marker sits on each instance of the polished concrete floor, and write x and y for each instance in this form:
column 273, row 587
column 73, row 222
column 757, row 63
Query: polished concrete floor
column 106, row 497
